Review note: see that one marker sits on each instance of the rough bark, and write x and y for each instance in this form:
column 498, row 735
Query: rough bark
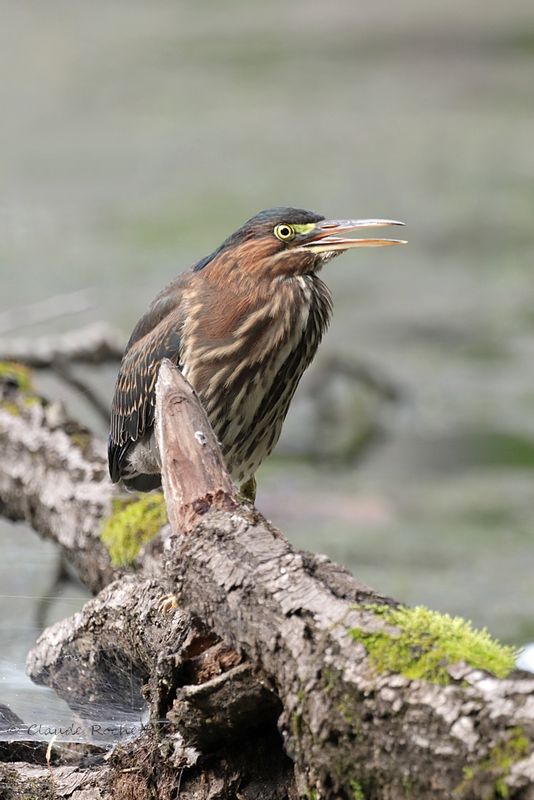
column 53, row 476
column 292, row 614
column 262, row 631
column 203, row 725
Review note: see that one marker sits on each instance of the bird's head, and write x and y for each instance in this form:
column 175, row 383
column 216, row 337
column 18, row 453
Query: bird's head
column 291, row 241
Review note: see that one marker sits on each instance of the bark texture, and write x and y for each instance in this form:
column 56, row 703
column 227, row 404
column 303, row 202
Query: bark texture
column 53, row 476
column 262, row 683
column 293, row 613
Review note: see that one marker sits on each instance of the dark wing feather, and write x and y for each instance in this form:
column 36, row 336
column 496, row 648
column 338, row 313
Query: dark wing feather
column 156, row 336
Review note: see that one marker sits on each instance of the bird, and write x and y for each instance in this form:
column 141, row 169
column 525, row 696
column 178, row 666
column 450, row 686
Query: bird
column 242, row 325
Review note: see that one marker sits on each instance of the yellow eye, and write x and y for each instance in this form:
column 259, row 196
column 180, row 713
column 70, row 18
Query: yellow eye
column 284, row 232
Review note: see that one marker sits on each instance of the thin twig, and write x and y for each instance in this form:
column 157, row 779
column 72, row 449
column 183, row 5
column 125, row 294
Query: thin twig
column 45, row 310
column 63, row 370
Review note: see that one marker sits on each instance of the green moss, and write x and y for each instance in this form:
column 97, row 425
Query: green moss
column 80, row 438
column 493, row 770
column 357, row 791
column 346, row 709
column 11, row 408
column 18, row 376
column 330, row 679
column 131, row 524
column 31, row 400
column 296, row 724
column 17, row 373
column 428, row 642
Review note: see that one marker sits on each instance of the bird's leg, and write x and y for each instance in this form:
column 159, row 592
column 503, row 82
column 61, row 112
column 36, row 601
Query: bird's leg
column 247, row 490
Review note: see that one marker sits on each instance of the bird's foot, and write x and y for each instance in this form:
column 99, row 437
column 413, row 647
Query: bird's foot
column 247, row 490
column 167, row 603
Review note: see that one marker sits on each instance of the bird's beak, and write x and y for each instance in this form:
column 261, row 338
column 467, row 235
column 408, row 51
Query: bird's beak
column 325, row 238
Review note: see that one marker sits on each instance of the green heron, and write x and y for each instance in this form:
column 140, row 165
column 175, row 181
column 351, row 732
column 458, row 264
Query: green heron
column 242, row 325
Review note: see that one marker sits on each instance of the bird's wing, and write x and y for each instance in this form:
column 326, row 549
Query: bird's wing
column 156, row 336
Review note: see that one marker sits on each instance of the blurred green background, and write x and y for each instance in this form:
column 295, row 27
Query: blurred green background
column 135, row 136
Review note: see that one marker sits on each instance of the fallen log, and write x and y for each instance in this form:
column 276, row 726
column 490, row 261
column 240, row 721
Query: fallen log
column 54, row 477
column 348, row 720
column 370, row 699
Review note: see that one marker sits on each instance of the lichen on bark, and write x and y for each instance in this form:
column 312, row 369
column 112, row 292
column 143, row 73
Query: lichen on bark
column 18, row 374
column 16, row 387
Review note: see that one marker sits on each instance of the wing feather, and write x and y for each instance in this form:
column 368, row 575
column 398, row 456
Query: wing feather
column 157, row 335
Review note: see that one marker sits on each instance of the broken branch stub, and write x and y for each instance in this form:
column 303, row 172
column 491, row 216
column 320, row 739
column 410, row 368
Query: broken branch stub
column 198, row 480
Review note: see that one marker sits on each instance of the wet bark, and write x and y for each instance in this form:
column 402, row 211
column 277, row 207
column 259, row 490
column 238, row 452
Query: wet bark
column 254, row 686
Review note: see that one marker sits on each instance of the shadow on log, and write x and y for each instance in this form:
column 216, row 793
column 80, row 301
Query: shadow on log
column 278, row 675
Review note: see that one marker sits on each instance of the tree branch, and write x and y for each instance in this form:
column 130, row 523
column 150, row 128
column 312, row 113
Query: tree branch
column 53, row 476
column 63, row 370
column 46, row 310
column 94, row 344
column 376, row 701
column 344, row 722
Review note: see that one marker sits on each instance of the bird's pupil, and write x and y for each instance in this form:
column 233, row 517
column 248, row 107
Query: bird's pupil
column 284, row 232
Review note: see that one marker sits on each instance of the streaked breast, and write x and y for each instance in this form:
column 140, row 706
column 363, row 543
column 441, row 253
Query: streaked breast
column 247, row 382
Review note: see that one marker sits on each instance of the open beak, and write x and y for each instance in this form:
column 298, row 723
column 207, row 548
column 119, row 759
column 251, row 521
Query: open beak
column 325, row 238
